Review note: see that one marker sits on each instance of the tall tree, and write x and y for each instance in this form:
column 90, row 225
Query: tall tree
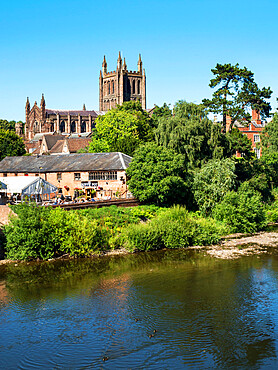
column 157, row 175
column 121, row 129
column 192, row 134
column 236, row 93
column 158, row 112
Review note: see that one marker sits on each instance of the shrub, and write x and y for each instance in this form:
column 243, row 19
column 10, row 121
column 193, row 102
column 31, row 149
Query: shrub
column 142, row 237
column 208, row 231
column 45, row 233
column 242, row 211
column 173, row 228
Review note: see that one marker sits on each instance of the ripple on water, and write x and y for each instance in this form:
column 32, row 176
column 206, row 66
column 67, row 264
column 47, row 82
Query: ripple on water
column 162, row 314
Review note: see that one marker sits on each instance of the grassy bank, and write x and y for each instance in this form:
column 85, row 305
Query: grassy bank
column 44, row 233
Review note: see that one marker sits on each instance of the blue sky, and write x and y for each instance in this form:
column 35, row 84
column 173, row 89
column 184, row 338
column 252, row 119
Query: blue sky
column 57, row 47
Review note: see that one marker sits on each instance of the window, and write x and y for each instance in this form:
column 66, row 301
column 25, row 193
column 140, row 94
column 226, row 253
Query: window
column 133, row 87
column 83, row 126
column 138, row 87
column 73, row 126
column 4, row 175
column 257, row 152
column 60, row 191
column 59, row 176
column 77, row 176
column 250, row 127
column 107, row 175
column 113, row 90
column 62, row 126
column 257, row 138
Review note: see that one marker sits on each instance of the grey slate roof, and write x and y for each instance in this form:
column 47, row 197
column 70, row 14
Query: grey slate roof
column 66, row 163
column 51, row 140
column 61, row 112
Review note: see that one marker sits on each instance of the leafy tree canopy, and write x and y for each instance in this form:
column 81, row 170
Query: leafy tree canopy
column 121, row 129
column 212, row 182
column 157, row 175
column 269, row 137
column 10, row 144
column 158, row 112
column 183, row 109
column 240, row 143
column 236, row 93
column 7, row 125
column 192, row 134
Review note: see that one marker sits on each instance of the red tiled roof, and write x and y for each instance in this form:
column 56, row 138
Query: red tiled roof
column 76, row 144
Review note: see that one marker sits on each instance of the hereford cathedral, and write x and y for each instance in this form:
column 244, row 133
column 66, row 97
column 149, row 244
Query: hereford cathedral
column 114, row 88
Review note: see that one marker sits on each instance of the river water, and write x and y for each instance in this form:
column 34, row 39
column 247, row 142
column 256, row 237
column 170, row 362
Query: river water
column 156, row 310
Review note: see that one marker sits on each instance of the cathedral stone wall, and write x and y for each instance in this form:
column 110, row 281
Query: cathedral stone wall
column 121, row 85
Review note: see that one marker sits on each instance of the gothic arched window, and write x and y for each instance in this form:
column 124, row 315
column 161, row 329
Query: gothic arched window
column 113, row 87
column 73, row 126
column 83, row 126
column 108, row 88
column 138, row 86
column 36, row 127
column 133, row 87
column 62, row 126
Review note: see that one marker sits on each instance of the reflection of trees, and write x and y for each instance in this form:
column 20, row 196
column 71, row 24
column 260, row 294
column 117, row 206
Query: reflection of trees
column 208, row 305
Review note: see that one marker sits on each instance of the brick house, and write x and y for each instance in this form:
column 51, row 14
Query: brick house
column 102, row 174
column 252, row 130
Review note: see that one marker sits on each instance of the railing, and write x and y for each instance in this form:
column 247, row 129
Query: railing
column 129, row 202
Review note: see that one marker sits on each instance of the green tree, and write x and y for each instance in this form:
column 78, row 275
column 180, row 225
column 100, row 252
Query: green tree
column 157, row 175
column 212, row 182
column 10, row 144
column 236, row 93
column 158, row 112
column 192, row 134
column 269, row 137
column 121, row 129
column 183, row 109
column 7, row 125
column 240, row 143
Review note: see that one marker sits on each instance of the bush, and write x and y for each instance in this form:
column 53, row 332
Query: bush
column 242, row 211
column 45, row 233
column 272, row 209
column 142, row 237
column 173, row 228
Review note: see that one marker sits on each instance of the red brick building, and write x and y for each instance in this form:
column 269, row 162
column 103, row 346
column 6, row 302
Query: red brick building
column 253, row 131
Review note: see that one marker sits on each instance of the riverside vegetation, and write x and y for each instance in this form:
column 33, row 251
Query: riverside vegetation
column 45, row 233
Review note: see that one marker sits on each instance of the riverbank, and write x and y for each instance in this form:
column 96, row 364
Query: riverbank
column 230, row 247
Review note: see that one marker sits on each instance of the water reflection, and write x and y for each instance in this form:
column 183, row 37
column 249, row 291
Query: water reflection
column 166, row 309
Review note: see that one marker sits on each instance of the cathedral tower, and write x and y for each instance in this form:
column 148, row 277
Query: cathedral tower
column 121, row 85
